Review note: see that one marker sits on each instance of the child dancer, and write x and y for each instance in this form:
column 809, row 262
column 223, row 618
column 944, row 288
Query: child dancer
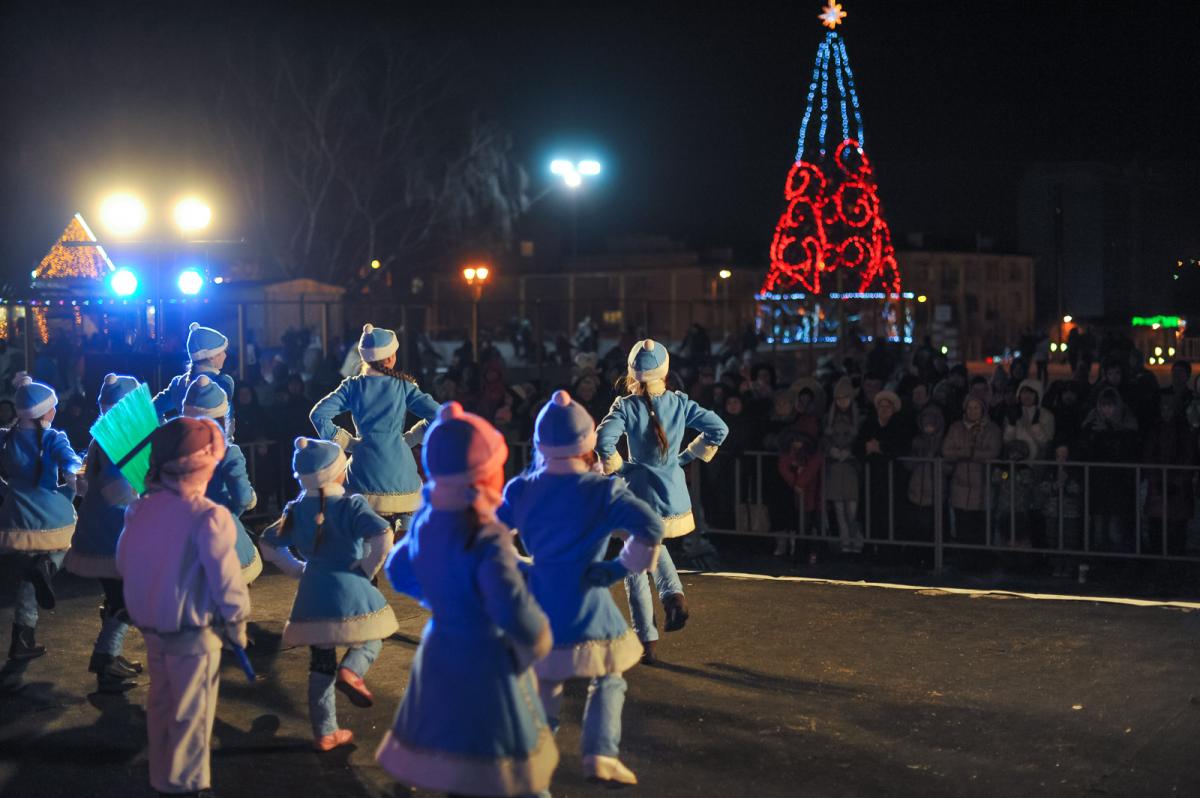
column 37, row 519
column 183, row 588
column 230, row 485
column 470, row 722
column 383, row 469
column 653, row 421
column 344, row 544
column 93, row 554
column 565, row 515
column 206, row 354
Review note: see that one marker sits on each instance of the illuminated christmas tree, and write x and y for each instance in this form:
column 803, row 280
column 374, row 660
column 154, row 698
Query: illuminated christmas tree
column 64, row 262
column 834, row 218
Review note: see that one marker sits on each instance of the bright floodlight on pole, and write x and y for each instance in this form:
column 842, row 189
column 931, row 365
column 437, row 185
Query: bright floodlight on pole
column 123, row 214
column 572, row 172
column 123, row 283
column 573, row 179
column 191, row 281
column 192, row 214
column 589, row 168
column 561, row 167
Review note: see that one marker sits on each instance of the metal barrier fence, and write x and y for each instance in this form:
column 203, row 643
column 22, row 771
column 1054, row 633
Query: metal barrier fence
column 1072, row 509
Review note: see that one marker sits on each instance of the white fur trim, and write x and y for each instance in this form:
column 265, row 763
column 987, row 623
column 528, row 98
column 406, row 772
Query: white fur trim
column 582, row 446
column 676, row 526
column 393, row 503
column 91, row 566
column 591, row 658
column 37, row 540
column 701, row 450
column 415, row 435
column 208, row 354
column 220, row 411
column 378, row 625
column 612, row 463
column 443, row 771
column 329, row 473
column 637, row 557
column 342, row 438
column 251, row 570
column 40, row 409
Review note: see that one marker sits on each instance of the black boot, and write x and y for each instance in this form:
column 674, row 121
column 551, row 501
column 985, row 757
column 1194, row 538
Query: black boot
column 675, row 607
column 41, row 573
column 110, row 678
column 23, row 645
column 116, row 666
column 133, row 666
column 649, row 652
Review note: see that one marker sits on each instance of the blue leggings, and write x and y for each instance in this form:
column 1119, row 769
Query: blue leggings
column 641, row 604
column 322, row 700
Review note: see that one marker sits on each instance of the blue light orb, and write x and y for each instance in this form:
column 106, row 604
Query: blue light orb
column 123, row 282
column 190, row 282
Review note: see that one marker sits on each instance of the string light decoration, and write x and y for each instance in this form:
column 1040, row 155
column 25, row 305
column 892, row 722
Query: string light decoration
column 834, row 218
column 63, row 262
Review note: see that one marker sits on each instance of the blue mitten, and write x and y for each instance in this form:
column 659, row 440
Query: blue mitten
column 603, row 574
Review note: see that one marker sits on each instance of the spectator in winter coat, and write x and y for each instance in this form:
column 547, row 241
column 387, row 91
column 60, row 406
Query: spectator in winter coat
column 841, row 489
column 880, row 441
column 1181, row 376
column 800, row 466
column 1170, row 442
column 1110, row 435
column 969, row 445
column 922, row 490
column 1031, row 423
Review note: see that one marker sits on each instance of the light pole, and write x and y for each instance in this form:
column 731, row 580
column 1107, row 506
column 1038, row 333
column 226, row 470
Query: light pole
column 572, row 174
column 475, row 276
column 725, row 274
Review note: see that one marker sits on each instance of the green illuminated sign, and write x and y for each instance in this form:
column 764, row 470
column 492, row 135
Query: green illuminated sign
column 1167, row 322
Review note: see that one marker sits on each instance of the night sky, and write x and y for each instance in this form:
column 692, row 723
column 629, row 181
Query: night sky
column 693, row 111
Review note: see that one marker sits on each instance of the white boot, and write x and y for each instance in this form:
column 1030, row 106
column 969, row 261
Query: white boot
column 607, row 768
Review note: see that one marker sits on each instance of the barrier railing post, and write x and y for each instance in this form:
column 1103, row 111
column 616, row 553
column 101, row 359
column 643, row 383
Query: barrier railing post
column 1164, row 512
column 1137, row 509
column 891, row 503
column 866, row 502
column 1087, row 507
column 737, row 494
column 987, row 505
column 1012, row 504
column 939, row 501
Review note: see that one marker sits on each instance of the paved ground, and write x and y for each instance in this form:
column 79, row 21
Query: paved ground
column 777, row 688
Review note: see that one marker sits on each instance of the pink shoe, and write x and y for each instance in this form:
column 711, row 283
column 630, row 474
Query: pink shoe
column 355, row 689
column 332, row 741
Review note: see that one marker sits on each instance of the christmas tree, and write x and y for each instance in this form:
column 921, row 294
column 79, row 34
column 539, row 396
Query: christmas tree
column 834, row 218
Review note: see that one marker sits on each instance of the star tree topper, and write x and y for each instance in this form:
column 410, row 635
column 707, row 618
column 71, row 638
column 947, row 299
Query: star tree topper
column 832, row 15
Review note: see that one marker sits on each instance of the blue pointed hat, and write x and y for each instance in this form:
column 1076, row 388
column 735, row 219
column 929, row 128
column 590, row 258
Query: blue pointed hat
column 115, row 388
column 205, row 399
column 564, row 428
column 377, row 343
column 205, row 342
column 33, row 399
column 317, row 462
column 649, row 360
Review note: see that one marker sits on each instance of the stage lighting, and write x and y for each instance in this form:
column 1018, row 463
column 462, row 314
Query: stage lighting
column 123, row 214
column 192, row 214
column 190, row 282
column 123, row 282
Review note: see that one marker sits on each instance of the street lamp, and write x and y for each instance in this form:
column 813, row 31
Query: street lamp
column 192, row 214
column 123, row 214
column 572, row 174
column 475, row 276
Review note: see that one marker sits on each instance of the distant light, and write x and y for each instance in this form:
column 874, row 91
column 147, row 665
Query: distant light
column 192, row 214
column 1053, row 347
column 573, row 179
column 945, row 350
column 922, row 299
column 1158, row 351
column 725, row 274
column 123, row 214
column 589, row 168
column 375, row 264
column 190, row 282
column 1161, row 361
column 481, row 273
column 218, row 280
column 123, row 282
column 561, row 167
column 1067, row 319
column 469, row 273
column 33, row 274
column 1062, row 347
column 1170, row 351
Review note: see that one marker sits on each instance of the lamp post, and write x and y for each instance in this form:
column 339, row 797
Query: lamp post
column 725, row 274
column 475, row 276
column 572, row 174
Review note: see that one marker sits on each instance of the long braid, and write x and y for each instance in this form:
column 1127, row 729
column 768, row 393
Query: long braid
column 474, row 524
column 319, row 535
column 391, row 371
column 659, row 433
column 41, row 446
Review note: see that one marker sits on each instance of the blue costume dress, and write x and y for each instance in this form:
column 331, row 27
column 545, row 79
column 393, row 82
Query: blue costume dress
column 36, row 515
column 336, row 604
column 383, row 469
column 230, row 487
column 470, row 722
column 169, row 401
column 565, row 517
column 101, row 518
column 658, row 479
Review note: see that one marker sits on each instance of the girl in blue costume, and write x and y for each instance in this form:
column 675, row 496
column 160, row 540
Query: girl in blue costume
column 206, row 355
column 383, row 469
column 565, row 515
column 654, row 421
column 37, row 519
column 93, row 554
column 230, row 484
column 343, row 543
column 470, row 722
